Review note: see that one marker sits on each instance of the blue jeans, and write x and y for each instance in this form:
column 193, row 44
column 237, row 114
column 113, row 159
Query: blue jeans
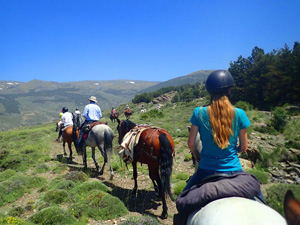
column 200, row 174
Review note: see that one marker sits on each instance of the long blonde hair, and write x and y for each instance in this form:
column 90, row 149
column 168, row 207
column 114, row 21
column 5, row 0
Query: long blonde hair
column 221, row 116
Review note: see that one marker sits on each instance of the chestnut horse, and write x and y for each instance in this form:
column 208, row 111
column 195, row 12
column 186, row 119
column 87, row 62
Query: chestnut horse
column 114, row 116
column 67, row 138
column 127, row 113
column 156, row 149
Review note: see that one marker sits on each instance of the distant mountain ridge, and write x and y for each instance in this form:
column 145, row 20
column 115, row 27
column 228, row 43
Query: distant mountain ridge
column 37, row 102
column 197, row 76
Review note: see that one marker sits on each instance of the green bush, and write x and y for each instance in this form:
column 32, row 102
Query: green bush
column 53, row 215
column 244, row 105
column 16, row 186
column 182, row 176
column 267, row 159
column 187, row 157
column 16, row 211
column 6, row 174
column 154, row 113
column 279, row 118
column 56, row 196
column 276, row 194
column 93, row 185
column 76, row 176
column 262, row 176
column 138, row 220
column 179, row 186
column 13, row 220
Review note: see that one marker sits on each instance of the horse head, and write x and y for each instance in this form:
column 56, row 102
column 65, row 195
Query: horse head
column 123, row 127
column 291, row 209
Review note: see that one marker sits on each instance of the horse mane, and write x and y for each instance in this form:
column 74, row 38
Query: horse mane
column 129, row 123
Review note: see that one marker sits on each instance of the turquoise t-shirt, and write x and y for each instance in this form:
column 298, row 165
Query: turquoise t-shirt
column 212, row 156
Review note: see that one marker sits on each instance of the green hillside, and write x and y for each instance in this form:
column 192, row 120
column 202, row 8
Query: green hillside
column 191, row 78
column 39, row 187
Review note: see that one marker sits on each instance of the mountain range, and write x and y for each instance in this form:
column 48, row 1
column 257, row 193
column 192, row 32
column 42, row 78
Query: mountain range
column 37, row 101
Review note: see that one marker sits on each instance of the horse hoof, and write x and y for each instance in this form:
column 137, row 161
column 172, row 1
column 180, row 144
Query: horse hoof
column 164, row 215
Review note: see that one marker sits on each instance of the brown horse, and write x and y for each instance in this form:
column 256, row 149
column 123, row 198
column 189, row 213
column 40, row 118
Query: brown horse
column 156, row 149
column 114, row 116
column 127, row 113
column 67, row 138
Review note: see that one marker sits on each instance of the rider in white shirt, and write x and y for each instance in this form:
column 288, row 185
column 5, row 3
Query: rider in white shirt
column 66, row 120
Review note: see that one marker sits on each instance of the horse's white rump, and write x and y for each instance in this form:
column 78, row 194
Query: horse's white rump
column 235, row 211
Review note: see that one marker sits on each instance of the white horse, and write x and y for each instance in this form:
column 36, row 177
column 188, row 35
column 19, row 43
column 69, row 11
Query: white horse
column 236, row 211
column 198, row 147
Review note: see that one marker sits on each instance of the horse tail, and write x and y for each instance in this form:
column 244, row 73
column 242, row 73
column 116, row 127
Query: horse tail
column 108, row 139
column 166, row 164
column 74, row 135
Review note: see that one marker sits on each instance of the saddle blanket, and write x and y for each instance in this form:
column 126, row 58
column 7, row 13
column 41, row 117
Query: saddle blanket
column 130, row 140
column 64, row 128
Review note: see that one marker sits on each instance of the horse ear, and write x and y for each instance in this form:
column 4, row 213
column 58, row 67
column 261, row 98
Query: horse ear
column 291, row 209
column 118, row 121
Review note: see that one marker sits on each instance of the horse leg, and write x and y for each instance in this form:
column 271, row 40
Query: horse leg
column 107, row 159
column 164, row 213
column 64, row 147
column 70, row 149
column 134, row 176
column 154, row 175
column 84, row 158
column 156, row 188
column 94, row 158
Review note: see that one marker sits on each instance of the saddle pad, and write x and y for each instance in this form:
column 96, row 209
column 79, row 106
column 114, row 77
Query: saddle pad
column 239, row 185
column 129, row 141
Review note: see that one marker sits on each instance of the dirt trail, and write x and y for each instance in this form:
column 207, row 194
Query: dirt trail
column 145, row 201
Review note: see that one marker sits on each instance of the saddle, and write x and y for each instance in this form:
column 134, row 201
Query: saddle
column 89, row 127
column 212, row 188
column 131, row 139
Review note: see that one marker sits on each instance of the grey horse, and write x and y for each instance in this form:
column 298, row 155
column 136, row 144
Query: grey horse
column 100, row 136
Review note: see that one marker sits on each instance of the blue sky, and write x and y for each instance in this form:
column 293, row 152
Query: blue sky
column 151, row 40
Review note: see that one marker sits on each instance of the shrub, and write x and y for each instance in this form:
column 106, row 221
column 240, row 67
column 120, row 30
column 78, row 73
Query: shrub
column 138, row 220
column 262, row 176
column 12, row 220
column 6, row 174
column 178, row 188
column 276, row 194
column 56, row 196
column 16, row 211
column 244, row 105
column 53, row 215
column 182, row 176
column 266, row 159
column 76, row 176
column 94, row 185
column 187, row 157
column 102, row 206
column 279, row 118
column 154, row 113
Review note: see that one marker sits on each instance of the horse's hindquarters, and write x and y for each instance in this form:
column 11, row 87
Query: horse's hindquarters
column 235, row 211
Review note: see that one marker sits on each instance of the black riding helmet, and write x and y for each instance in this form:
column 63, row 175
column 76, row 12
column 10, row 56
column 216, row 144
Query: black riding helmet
column 218, row 82
column 64, row 109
